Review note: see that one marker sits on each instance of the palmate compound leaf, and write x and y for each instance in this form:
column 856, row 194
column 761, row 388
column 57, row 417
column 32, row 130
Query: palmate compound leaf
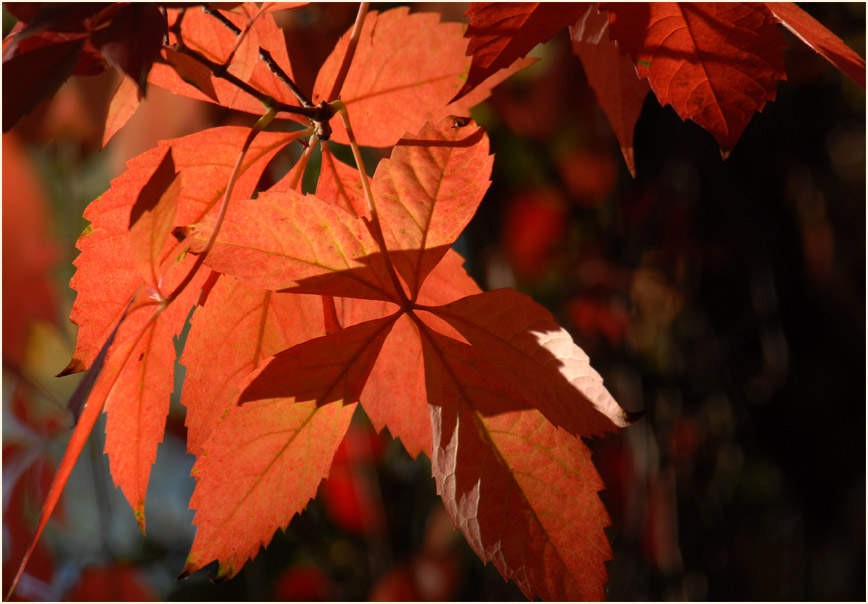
column 137, row 378
column 405, row 70
column 394, row 396
column 619, row 89
column 494, row 363
column 106, row 277
column 715, row 63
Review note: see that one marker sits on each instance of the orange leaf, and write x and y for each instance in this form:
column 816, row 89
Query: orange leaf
column 136, row 385
column 394, row 396
column 151, row 218
column 265, row 458
column 716, row 64
column 406, row 69
column 523, row 492
column 427, row 192
column 619, row 89
column 815, row 35
column 324, row 370
column 262, row 464
column 123, row 104
column 236, row 328
column 205, row 161
column 501, row 32
column 286, row 241
column 207, row 36
column 339, row 183
column 522, row 341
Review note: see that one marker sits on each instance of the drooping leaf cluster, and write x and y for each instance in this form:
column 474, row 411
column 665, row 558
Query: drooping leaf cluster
column 307, row 305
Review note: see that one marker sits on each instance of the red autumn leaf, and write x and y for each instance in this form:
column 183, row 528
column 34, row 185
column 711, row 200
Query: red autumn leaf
column 232, row 332
column 405, row 70
column 286, row 241
column 204, row 159
column 132, row 41
column 215, row 42
column 152, row 218
column 427, row 192
column 619, row 89
column 265, row 458
column 394, row 395
column 501, row 32
column 523, row 492
column 340, row 184
column 486, row 359
column 122, row 106
column 37, row 74
column 262, row 464
column 815, row 35
column 136, row 381
column 522, row 339
column 716, row 64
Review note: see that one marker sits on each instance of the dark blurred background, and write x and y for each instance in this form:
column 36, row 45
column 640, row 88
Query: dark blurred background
column 725, row 299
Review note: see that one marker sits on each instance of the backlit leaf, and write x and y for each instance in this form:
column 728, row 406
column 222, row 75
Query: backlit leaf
column 299, row 243
column 819, row 38
column 522, row 340
column 405, row 71
column 427, row 192
column 619, row 89
column 502, row 32
column 236, row 328
column 262, row 464
column 207, row 36
column 152, row 216
column 523, row 492
column 716, row 64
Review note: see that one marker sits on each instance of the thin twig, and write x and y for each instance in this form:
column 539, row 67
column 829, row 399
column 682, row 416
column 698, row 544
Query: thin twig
column 223, row 19
column 351, row 51
column 276, row 70
column 312, row 113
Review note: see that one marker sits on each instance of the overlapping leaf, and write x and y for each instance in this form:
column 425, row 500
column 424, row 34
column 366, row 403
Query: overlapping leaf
column 497, row 370
column 265, row 459
column 106, row 276
column 427, row 192
column 819, row 38
column 502, row 32
column 619, row 89
column 289, row 241
column 263, row 463
column 233, row 330
column 716, row 64
column 117, row 261
column 523, row 492
column 405, row 70
column 212, row 39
